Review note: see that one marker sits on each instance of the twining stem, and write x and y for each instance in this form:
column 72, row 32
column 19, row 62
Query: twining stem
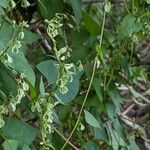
column 89, row 87
column 132, row 50
column 101, row 38
column 83, row 104
column 73, row 146
column 126, row 6
column 133, row 6
column 102, row 29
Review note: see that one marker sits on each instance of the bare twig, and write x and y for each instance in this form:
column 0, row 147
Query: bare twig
column 146, row 92
column 128, row 109
column 134, row 125
column 139, row 103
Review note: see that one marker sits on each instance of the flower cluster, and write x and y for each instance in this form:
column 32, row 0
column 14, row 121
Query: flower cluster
column 46, row 121
column 43, row 105
column 65, row 76
column 22, row 87
column 25, row 3
column 63, row 53
column 3, row 110
column 54, row 25
column 66, row 71
column 12, row 4
column 15, row 43
column 5, row 58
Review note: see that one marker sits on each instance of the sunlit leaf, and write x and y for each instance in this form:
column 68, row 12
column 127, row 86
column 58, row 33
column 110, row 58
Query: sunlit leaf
column 91, row 120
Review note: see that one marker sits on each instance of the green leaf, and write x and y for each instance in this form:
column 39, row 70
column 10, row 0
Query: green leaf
column 19, row 61
column 91, row 120
column 49, row 70
column 2, row 95
column 136, row 94
column 129, row 25
column 19, row 130
column 10, row 144
column 100, row 134
column 4, row 3
column 42, row 89
column 90, row 145
column 133, row 145
column 55, row 117
column 148, row 1
column 92, row 26
column 77, row 9
column 119, row 128
column 111, row 109
column 7, row 83
column 113, row 137
column 114, row 142
column 73, row 88
column 48, row 8
column 99, row 51
column 1, row 11
column 115, row 96
column 80, row 51
column 6, row 36
column 97, row 86
column 25, row 147
column 21, row 65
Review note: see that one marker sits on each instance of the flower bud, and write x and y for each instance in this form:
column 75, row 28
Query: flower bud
column 25, row 3
column 12, row 4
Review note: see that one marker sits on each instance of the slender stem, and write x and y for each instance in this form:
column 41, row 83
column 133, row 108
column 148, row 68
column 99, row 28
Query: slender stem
column 105, row 79
column 101, row 37
column 102, row 30
column 132, row 50
column 89, row 87
column 83, row 104
column 126, row 6
column 110, row 79
column 133, row 6
column 73, row 146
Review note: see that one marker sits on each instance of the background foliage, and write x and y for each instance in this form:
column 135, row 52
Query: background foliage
column 64, row 69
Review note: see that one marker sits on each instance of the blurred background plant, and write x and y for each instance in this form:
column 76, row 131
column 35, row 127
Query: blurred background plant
column 76, row 73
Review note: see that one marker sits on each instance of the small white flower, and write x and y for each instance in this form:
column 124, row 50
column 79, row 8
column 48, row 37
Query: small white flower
column 13, row 23
column 80, row 65
column 16, row 46
column 107, row 6
column 63, row 89
column 2, row 122
column 12, row 106
column 9, row 59
column 25, row 86
column 69, row 66
column 62, row 58
column 12, row 4
column 21, row 35
column 25, row 3
column 97, row 62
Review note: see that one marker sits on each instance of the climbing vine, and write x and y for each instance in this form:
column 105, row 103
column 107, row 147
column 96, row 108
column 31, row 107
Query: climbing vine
column 71, row 72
